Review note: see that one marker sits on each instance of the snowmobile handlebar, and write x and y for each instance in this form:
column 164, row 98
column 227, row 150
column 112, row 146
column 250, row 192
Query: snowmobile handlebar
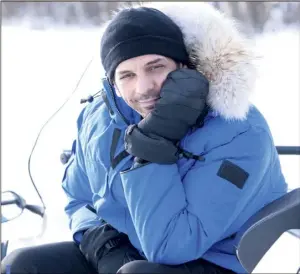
column 12, row 198
column 36, row 209
column 288, row 150
column 12, row 206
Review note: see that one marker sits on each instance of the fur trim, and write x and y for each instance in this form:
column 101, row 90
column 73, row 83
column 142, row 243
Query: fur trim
column 219, row 51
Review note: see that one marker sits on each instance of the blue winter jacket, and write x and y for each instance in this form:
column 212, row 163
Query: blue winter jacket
column 192, row 209
column 180, row 212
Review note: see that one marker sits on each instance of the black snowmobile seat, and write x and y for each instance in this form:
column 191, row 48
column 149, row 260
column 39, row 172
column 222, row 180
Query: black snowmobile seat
column 267, row 226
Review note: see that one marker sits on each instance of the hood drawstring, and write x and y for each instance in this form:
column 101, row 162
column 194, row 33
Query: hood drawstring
column 189, row 155
column 90, row 98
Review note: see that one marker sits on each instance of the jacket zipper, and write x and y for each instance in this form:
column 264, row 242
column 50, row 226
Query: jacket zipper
column 114, row 100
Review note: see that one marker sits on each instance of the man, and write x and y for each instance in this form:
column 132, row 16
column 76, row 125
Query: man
column 173, row 160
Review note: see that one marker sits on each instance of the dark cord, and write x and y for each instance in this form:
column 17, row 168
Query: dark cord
column 35, row 143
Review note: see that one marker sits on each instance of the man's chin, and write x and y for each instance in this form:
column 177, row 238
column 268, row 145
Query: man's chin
column 147, row 111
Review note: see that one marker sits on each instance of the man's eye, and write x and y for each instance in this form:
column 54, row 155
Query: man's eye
column 156, row 67
column 126, row 76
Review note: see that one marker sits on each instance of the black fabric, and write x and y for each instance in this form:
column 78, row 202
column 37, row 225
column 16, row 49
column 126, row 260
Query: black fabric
column 181, row 106
column 114, row 143
column 89, row 207
column 200, row 120
column 106, row 249
column 182, row 101
column 93, row 243
column 119, row 158
column 233, row 173
column 116, row 160
column 152, row 148
column 139, row 31
column 64, row 257
column 199, row 266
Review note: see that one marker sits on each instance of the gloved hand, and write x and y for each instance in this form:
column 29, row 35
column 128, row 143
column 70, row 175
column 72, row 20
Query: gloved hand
column 106, row 249
column 182, row 103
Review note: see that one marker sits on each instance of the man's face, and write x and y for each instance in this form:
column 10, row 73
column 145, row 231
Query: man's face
column 139, row 80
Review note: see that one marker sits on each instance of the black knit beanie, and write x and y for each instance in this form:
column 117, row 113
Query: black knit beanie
column 139, row 31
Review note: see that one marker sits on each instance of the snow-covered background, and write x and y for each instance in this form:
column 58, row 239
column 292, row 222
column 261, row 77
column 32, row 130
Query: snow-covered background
column 40, row 69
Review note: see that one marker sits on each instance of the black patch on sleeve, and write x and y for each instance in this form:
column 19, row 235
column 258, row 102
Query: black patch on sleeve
column 233, row 173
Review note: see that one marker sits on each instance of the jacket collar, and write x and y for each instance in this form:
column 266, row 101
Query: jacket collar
column 119, row 111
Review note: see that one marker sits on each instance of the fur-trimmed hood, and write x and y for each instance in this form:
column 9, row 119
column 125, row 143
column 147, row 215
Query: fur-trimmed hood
column 219, row 50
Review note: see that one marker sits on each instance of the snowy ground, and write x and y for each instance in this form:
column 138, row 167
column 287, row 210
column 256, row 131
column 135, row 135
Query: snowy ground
column 40, row 70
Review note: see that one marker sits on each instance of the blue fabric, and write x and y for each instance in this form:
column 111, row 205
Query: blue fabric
column 4, row 219
column 173, row 213
column 78, row 237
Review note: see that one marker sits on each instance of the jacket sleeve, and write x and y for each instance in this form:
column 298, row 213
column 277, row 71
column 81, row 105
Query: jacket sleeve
column 75, row 184
column 178, row 219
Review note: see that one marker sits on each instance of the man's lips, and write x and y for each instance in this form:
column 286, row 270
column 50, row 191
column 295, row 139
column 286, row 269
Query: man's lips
column 148, row 103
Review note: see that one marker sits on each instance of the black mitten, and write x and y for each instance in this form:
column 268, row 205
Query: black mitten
column 182, row 101
column 106, row 249
column 181, row 106
column 97, row 241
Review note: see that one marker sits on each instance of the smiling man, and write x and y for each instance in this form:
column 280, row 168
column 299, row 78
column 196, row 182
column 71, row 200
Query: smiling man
column 173, row 160
column 138, row 80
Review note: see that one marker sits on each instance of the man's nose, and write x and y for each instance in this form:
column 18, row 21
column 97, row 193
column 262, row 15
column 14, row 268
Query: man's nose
column 143, row 84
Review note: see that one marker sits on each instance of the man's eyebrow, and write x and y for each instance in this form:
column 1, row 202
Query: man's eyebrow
column 154, row 61
column 123, row 72
column 147, row 64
